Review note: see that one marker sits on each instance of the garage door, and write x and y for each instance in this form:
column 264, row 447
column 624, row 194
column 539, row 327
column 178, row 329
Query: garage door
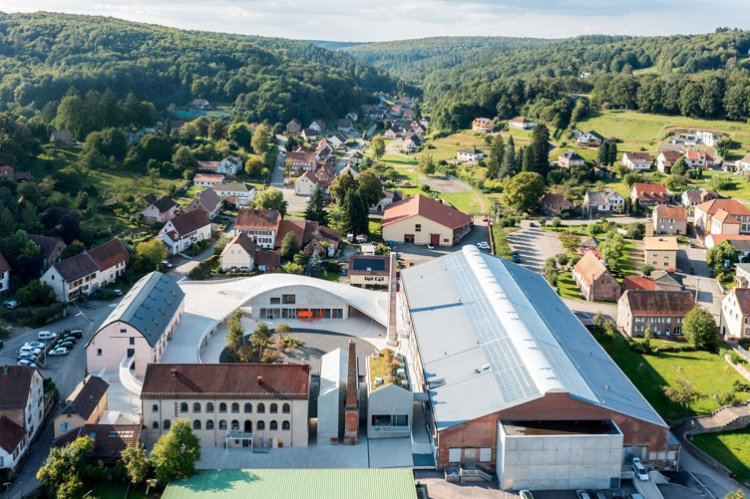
column 408, row 238
column 435, row 239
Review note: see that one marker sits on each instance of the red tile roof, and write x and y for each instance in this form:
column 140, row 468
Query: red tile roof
column 743, row 299
column 190, row 221
column 290, row 381
column 109, row 254
column 109, row 440
column 555, row 201
column 426, row 207
column 730, row 205
column 244, row 242
column 590, row 268
column 659, row 303
column 725, row 217
column 670, row 211
column 208, row 177
column 638, row 282
column 657, row 192
column 10, row 435
column 268, row 258
column 15, row 384
column 252, row 219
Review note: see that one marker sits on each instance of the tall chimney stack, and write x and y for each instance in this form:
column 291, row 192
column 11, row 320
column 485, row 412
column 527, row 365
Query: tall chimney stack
column 351, row 409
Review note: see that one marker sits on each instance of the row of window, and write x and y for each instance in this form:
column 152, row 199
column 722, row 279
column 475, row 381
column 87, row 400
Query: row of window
column 657, row 320
column 235, row 425
column 235, row 408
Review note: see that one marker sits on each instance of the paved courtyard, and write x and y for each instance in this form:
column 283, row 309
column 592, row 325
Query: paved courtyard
column 534, row 245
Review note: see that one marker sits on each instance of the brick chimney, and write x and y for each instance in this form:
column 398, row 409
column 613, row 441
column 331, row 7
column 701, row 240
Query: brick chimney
column 351, row 409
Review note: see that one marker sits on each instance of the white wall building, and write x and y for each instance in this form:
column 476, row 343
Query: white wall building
column 21, row 412
column 332, row 397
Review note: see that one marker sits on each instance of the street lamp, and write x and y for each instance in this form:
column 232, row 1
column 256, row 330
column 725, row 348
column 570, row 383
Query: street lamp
column 7, row 488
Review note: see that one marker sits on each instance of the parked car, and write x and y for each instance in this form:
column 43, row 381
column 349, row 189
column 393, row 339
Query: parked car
column 46, row 335
column 118, row 292
column 167, row 264
column 515, row 257
column 582, row 494
column 76, row 333
column 483, row 245
column 66, row 344
column 29, row 349
column 28, row 363
column 430, row 246
column 525, row 494
column 34, row 344
column 58, row 351
column 10, row 304
column 26, row 356
column 639, row 470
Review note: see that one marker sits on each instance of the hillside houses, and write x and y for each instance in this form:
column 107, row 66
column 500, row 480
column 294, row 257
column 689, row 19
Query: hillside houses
column 637, row 161
column 594, row 279
column 646, row 194
column 184, row 230
column 606, row 201
column 484, row 125
column 521, row 123
column 590, row 139
column 236, row 193
column 231, row 165
column 159, row 210
column 208, row 201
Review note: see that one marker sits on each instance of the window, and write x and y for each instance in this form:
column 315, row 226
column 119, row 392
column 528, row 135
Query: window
column 454, row 455
column 235, row 407
column 235, row 425
column 98, row 352
column 132, row 341
column 222, row 424
column 274, row 409
column 123, row 330
column 222, row 407
column 417, row 227
column 286, row 408
column 155, row 408
column 210, row 424
column 274, row 425
column 485, row 454
column 275, row 300
column 155, row 425
column 248, row 407
column 197, row 424
column 167, row 424
column 210, row 407
column 184, row 407
column 65, row 426
column 196, row 407
column 261, row 408
column 261, row 425
column 288, row 299
column 285, row 425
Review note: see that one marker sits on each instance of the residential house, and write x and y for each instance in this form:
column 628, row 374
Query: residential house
column 231, row 165
column 261, row 225
column 248, row 405
column 236, row 193
column 389, row 197
column 294, row 127
column 337, row 141
column 310, row 237
column 743, row 165
column 666, row 159
column 136, row 332
column 422, row 220
column 740, row 242
column 207, row 179
column 390, row 401
column 21, row 413
column 660, row 312
column 349, row 169
column 199, row 104
column 645, row 194
column 706, row 137
column 409, row 146
column 175, row 126
column 742, row 275
column 84, row 273
column 570, row 158
column 659, row 280
column 693, row 197
column 594, row 279
column 352, row 116
column 390, row 134
column 698, row 158
column 184, row 230
column 160, row 210
column 299, row 161
column 239, row 254
column 310, row 135
column 469, row 154
column 267, row 260
column 660, row 252
column 4, row 274
column 606, row 201
column 369, row 271
column 306, row 184
column 9, row 172
column 722, row 216
column 521, row 123
column 86, row 404
column 61, row 138
column 324, row 151
column 735, row 314
column 553, row 205
column 484, row 125
column 590, row 139
column 669, row 219
column 208, row 201
column 110, row 440
column 208, row 166
column 637, row 161
column 318, row 126
column 345, row 125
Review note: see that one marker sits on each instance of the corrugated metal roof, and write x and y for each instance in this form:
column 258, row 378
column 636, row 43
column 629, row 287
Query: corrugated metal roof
column 493, row 335
column 360, row 483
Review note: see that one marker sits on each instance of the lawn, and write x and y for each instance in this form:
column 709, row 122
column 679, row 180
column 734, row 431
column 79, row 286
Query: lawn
column 707, row 372
column 741, row 186
column 467, row 201
column 447, row 147
column 732, row 449
column 566, row 286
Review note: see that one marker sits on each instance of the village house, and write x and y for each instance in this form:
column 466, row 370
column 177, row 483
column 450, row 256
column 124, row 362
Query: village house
column 698, row 158
column 570, row 158
column 318, row 126
column 369, row 271
column 659, row 280
column 590, row 139
column 267, row 260
column 299, row 161
column 21, row 413
column 184, row 230
column 521, row 123
column 324, row 151
column 337, row 141
column 606, row 201
column 349, row 169
column 390, row 401
column 722, row 216
column 260, row 225
column 666, row 159
column 669, row 219
column 660, row 312
column 693, row 197
column 740, row 242
column 199, row 104
column 61, row 138
column 136, row 332
column 742, row 275
column 743, row 165
column 345, row 125
column 645, row 194
column 310, row 237
column 390, row 134
column 50, row 249
column 4, row 274
column 422, row 220
column 594, row 280
column 207, row 179
column 208, row 201
column 239, row 254
column 159, row 210
column 231, row 165
column 660, row 252
column 236, row 193
column 9, row 172
column 484, row 125
column 409, row 146
column 351, row 115
column 109, row 441
column 469, row 154
column 208, row 166
column 84, row 273
column 86, row 404
column 637, row 161
column 294, row 127
column 390, row 196
column 248, row 405
column 735, row 314
column 553, row 205
column 310, row 135
column 306, row 184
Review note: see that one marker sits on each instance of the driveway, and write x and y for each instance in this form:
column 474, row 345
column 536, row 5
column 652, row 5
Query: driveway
column 534, row 245
column 412, row 254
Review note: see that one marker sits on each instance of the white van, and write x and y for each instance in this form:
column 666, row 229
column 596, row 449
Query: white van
column 46, row 335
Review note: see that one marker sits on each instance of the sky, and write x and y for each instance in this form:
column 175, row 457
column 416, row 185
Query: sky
column 381, row 20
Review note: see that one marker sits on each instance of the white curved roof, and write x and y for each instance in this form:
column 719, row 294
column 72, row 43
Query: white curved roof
column 218, row 299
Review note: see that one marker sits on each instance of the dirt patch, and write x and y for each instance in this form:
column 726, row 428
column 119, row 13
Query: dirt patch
column 445, row 185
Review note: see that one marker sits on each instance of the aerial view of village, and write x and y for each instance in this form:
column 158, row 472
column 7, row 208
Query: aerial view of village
column 447, row 266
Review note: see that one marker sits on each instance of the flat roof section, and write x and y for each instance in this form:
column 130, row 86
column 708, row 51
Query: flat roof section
column 559, row 428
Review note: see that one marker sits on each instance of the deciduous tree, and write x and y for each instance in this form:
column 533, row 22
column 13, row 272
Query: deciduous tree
column 175, row 453
column 700, row 329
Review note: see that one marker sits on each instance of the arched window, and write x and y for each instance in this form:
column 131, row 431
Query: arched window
column 167, row 424
column 274, row 408
column 274, row 425
column 235, row 424
column 197, row 424
column 155, row 408
column 210, row 407
column 261, row 408
column 196, row 407
column 285, row 425
column 210, row 424
column 222, row 407
column 222, row 424
column 286, row 408
column 260, row 425
column 248, row 407
column 235, row 407
column 184, row 407
column 155, row 425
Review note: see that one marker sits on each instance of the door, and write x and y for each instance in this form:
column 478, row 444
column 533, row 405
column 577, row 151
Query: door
column 248, row 426
column 435, row 239
column 408, row 238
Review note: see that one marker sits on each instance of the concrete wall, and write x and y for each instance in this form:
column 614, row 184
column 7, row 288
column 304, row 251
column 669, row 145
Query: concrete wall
column 236, row 257
column 305, row 297
column 389, row 400
column 558, row 462
column 661, row 259
column 395, row 231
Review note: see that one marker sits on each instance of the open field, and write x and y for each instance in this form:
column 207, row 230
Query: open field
column 707, row 372
column 732, row 449
column 566, row 286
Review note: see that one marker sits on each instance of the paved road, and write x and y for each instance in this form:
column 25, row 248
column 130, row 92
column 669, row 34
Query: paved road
column 718, row 484
column 620, row 219
column 277, row 176
column 534, row 245
column 412, row 254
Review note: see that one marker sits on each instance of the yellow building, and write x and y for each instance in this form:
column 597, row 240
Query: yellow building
column 421, row 220
column 660, row 252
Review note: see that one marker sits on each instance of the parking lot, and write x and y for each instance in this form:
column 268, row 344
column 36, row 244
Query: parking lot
column 412, row 254
column 534, row 245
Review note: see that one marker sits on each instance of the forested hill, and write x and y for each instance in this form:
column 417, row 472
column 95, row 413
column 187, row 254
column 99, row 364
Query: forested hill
column 44, row 55
column 690, row 75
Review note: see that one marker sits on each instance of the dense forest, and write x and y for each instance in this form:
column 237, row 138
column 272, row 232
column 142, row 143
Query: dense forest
column 43, row 56
column 697, row 75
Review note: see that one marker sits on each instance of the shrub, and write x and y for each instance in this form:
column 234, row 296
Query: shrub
column 562, row 259
column 556, row 222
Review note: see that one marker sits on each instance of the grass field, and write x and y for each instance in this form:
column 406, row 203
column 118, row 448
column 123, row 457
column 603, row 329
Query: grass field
column 732, row 449
column 566, row 286
column 447, row 147
column 707, row 372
